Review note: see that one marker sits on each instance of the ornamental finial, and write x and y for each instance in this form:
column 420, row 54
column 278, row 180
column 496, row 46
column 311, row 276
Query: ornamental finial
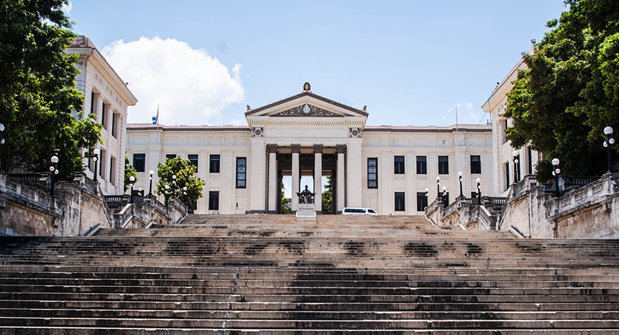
column 307, row 87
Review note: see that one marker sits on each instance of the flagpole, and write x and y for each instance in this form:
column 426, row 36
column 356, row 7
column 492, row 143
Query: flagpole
column 157, row 117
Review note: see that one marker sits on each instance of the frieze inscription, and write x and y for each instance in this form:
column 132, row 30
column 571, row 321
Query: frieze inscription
column 307, row 110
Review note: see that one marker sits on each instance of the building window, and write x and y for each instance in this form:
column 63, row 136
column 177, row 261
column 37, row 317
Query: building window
column 170, row 156
column 193, row 159
column 506, row 175
column 372, row 172
column 93, row 98
column 504, row 130
column 422, row 167
column 529, row 161
column 112, row 170
column 102, row 160
column 213, row 200
column 139, row 162
column 422, row 201
column 398, row 164
column 115, row 118
column 241, row 172
column 399, row 202
column 104, row 108
column 475, row 164
column 214, row 164
column 443, row 164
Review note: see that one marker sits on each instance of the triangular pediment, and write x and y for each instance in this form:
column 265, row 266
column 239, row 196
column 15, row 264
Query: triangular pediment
column 306, row 104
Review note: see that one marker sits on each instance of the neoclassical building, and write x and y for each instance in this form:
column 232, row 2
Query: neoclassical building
column 393, row 170
column 107, row 97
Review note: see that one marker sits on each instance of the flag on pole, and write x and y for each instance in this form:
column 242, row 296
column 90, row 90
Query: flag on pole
column 156, row 117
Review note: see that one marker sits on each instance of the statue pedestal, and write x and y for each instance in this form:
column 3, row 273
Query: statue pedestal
column 306, row 212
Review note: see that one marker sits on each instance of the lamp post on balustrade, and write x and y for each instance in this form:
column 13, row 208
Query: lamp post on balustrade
column 150, row 183
column 608, row 141
column 515, row 154
column 438, row 187
column 132, row 181
column 444, row 196
column 96, row 159
column 53, row 170
column 460, row 179
column 166, row 193
column 556, row 172
column 478, row 181
column 2, row 141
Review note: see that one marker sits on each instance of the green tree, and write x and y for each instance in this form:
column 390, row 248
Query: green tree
column 129, row 172
column 327, row 197
column 570, row 91
column 285, row 205
column 180, row 177
column 38, row 98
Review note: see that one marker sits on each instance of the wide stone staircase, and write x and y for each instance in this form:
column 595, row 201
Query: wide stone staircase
column 270, row 274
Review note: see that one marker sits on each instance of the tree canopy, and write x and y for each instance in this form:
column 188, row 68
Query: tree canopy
column 180, row 177
column 39, row 104
column 569, row 92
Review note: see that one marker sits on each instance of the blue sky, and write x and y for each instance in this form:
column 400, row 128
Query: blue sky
column 410, row 62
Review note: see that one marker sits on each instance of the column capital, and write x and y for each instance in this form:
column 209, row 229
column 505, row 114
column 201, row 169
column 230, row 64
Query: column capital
column 341, row 148
column 271, row 148
column 317, row 148
column 296, row 148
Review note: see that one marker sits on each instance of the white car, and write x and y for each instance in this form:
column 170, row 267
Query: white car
column 358, row 211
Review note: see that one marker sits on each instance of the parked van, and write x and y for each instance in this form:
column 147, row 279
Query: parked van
column 358, row 211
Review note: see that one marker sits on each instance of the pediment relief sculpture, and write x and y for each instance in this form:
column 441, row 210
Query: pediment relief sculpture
column 307, row 110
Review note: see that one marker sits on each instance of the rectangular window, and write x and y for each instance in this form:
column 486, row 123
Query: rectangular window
column 372, row 172
column 506, row 175
column 443, row 164
column 93, row 97
column 422, row 201
column 475, row 164
column 115, row 125
column 104, row 108
column 398, row 164
column 504, row 130
column 139, row 162
column 112, row 170
column 530, row 161
column 170, row 156
column 399, row 202
column 214, row 164
column 213, row 200
column 241, row 172
column 102, row 160
column 422, row 167
column 193, row 159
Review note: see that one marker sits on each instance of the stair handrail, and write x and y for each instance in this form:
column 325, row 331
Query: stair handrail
column 484, row 216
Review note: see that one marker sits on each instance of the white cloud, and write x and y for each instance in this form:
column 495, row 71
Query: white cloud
column 190, row 86
column 466, row 113
column 66, row 8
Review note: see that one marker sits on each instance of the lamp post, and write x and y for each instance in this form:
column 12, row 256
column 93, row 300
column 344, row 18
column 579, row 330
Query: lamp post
column 516, row 154
column 150, row 183
column 444, row 196
column 438, row 187
column 460, row 179
column 167, row 193
column 53, row 169
column 608, row 141
column 555, row 172
column 2, row 141
column 478, row 181
column 96, row 158
column 132, row 180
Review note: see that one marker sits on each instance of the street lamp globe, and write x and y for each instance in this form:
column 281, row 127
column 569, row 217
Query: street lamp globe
column 427, row 190
column 438, row 178
column 167, row 187
column 54, row 159
column 608, row 130
column 1, row 126
column 515, row 153
column 478, row 180
column 151, row 173
column 51, row 169
column 131, row 179
column 2, row 141
column 174, row 176
column 185, row 188
column 611, row 141
column 459, row 173
column 444, row 188
column 555, row 161
column 96, row 151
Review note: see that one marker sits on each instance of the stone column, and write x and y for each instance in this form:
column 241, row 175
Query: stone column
column 257, row 176
column 318, row 177
column 354, row 166
column 295, row 176
column 340, row 187
column 272, row 150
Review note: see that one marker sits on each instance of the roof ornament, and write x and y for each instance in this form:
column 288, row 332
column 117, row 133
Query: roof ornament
column 307, row 87
column 365, row 108
column 248, row 108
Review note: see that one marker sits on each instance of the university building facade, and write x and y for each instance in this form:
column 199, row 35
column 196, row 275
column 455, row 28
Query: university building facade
column 394, row 170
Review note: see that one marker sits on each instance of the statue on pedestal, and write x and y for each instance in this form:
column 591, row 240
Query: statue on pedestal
column 306, row 197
